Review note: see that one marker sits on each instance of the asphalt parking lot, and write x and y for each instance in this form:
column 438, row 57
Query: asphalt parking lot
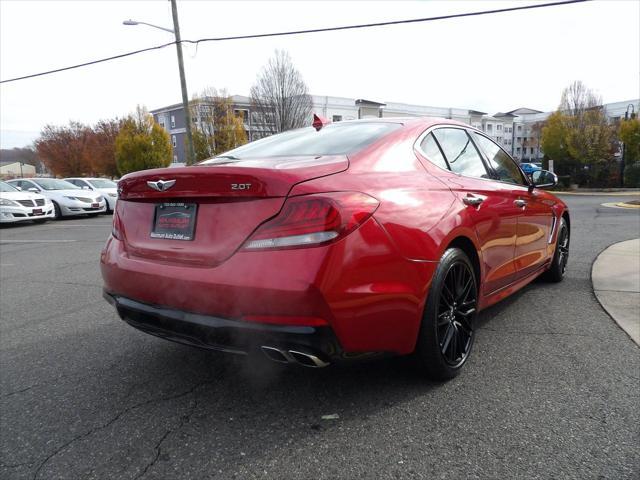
column 552, row 389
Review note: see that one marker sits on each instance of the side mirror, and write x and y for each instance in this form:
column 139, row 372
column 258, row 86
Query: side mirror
column 544, row 179
column 34, row 190
column 18, row 188
column 86, row 187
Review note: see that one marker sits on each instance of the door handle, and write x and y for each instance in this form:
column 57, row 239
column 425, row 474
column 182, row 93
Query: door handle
column 520, row 203
column 473, row 200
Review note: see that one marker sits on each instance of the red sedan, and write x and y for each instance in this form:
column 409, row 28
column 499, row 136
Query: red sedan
column 344, row 241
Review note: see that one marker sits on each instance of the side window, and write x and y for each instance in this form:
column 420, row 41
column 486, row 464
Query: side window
column 505, row 167
column 431, row 150
column 460, row 152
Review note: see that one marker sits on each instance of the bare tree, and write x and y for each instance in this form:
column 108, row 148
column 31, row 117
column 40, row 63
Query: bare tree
column 280, row 95
column 577, row 98
column 216, row 128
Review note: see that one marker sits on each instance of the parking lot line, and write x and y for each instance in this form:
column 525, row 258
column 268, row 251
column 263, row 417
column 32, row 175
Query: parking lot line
column 9, row 242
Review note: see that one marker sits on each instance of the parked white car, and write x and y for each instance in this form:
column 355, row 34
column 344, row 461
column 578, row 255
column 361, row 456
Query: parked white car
column 17, row 206
column 108, row 188
column 68, row 200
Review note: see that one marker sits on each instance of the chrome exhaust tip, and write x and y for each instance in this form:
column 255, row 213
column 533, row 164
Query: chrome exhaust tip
column 276, row 354
column 307, row 359
column 293, row 356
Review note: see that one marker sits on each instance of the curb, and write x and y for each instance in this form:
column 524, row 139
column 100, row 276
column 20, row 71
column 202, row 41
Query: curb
column 621, row 205
column 615, row 290
column 627, row 205
column 599, row 194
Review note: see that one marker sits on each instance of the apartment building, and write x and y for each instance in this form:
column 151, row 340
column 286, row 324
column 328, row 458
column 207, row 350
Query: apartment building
column 519, row 131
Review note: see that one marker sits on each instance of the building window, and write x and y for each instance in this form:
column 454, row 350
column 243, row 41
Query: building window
column 173, row 121
column 518, row 150
column 173, row 141
column 499, row 128
column 336, row 118
column 489, row 128
column 519, row 128
column 161, row 123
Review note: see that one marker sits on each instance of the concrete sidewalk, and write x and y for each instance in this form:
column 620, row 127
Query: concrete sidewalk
column 616, row 282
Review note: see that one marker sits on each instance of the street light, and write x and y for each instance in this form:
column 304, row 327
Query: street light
column 183, row 82
column 135, row 22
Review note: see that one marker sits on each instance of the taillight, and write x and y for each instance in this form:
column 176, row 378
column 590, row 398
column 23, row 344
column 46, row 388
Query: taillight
column 116, row 228
column 310, row 220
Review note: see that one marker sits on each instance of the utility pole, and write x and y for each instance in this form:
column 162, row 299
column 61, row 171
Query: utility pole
column 190, row 154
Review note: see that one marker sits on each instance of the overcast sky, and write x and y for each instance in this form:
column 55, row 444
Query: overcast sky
column 490, row 63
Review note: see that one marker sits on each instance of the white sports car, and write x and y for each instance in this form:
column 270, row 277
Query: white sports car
column 108, row 188
column 17, row 206
column 68, row 200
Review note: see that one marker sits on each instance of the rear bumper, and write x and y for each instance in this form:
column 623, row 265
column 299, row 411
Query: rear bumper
column 231, row 336
column 361, row 289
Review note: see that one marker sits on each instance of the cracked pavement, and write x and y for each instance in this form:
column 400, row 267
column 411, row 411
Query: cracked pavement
column 551, row 391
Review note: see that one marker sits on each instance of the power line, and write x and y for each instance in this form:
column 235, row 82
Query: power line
column 300, row 32
column 383, row 24
column 93, row 62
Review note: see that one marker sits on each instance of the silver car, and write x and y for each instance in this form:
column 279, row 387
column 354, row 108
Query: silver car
column 68, row 200
column 108, row 189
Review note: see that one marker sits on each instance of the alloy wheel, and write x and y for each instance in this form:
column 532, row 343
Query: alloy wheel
column 456, row 307
column 563, row 249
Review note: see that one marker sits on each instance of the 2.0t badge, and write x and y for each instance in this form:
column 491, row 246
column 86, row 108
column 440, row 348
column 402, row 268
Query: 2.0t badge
column 162, row 185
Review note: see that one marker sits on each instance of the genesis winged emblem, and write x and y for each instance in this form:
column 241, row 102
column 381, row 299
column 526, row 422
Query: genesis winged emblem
column 162, row 185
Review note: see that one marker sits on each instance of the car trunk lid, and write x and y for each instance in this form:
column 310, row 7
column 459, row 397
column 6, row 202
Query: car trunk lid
column 227, row 200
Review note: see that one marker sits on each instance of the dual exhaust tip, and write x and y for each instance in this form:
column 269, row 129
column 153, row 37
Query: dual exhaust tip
column 293, row 356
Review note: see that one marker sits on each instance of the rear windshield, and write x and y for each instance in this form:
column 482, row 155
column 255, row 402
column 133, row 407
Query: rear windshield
column 336, row 139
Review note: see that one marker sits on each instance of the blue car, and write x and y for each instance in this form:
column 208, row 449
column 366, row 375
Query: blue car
column 529, row 168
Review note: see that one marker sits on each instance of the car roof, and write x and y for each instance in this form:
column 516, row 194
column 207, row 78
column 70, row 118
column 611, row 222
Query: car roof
column 408, row 121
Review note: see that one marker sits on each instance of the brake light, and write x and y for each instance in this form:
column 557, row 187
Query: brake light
column 310, row 220
column 116, row 227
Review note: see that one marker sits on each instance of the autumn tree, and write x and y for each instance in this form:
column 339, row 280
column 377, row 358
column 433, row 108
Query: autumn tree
column 141, row 143
column 554, row 134
column 280, row 95
column 630, row 136
column 101, row 147
column 64, row 149
column 217, row 128
column 579, row 138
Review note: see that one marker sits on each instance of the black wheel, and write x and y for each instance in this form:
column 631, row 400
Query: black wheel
column 57, row 213
column 561, row 255
column 446, row 334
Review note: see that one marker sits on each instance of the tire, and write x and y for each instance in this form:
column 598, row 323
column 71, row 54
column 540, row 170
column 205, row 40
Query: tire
column 561, row 256
column 57, row 213
column 446, row 333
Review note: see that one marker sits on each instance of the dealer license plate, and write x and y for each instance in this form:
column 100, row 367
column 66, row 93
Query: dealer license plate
column 174, row 221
